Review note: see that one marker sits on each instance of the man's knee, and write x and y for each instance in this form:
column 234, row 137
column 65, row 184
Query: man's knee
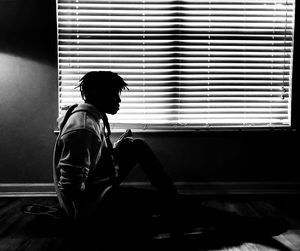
column 140, row 144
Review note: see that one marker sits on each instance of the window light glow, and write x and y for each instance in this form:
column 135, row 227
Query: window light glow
column 189, row 64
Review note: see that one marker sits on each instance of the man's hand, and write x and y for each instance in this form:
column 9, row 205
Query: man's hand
column 126, row 136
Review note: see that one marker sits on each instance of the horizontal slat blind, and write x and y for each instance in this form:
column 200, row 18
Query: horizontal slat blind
column 188, row 64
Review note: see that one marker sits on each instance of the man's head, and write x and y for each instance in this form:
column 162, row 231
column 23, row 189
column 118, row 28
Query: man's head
column 102, row 89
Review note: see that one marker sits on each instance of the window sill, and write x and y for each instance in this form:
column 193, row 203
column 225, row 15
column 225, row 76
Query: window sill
column 207, row 130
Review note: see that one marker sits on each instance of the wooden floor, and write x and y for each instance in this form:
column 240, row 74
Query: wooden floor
column 29, row 233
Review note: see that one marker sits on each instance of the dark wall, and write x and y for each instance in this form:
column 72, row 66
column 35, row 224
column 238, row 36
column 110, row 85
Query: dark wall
column 253, row 156
column 28, row 110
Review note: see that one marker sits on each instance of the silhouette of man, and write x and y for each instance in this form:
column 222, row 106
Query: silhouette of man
column 89, row 170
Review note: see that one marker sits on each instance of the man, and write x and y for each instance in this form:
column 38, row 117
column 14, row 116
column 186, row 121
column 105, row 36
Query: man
column 88, row 170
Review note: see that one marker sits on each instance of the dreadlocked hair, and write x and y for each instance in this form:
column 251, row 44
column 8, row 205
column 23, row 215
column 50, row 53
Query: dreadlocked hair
column 104, row 81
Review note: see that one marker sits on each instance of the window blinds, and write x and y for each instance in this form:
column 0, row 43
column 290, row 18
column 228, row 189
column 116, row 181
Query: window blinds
column 188, row 63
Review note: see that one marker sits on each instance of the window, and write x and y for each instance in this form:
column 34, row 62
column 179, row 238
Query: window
column 189, row 64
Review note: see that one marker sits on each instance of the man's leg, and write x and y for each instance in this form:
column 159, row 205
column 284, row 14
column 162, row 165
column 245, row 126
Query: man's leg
column 136, row 151
column 182, row 210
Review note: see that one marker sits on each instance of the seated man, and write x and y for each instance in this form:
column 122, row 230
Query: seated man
column 89, row 170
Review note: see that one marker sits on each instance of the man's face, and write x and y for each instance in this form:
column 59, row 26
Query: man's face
column 113, row 102
column 109, row 102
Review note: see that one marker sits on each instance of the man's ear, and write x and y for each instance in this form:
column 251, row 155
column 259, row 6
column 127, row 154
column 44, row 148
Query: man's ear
column 97, row 97
column 93, row 94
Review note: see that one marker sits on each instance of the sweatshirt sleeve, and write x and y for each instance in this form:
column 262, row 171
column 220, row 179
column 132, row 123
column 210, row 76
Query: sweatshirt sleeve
column 78, row 150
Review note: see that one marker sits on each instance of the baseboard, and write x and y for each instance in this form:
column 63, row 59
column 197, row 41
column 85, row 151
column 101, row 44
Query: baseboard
column 233, row 188
column 192, row 188
column 239, row 188
column 27, row 190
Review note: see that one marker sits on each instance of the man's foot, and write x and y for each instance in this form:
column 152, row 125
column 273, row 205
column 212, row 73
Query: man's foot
column 167, row 226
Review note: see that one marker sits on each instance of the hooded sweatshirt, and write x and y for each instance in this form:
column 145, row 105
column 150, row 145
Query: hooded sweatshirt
column 83, row 166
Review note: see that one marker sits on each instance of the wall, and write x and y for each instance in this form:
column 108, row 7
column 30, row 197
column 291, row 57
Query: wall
column 28, row 89
column 28, row 109
column 254, row 156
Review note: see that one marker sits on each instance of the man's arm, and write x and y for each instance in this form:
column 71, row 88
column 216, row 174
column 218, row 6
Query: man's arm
column 78, row 150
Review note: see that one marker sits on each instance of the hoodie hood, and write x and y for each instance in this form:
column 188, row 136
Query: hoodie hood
column 84, row 107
